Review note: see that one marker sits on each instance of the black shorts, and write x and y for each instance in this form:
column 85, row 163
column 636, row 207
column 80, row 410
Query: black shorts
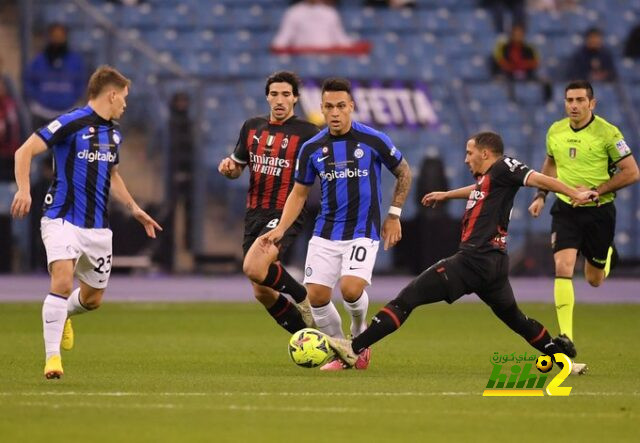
column 589, row 229
column 260, row 221
column 486, row 274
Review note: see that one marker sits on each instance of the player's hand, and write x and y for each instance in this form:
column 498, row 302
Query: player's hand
column 270, row 238
column 536, row 206
column 150, row 225
column 431, row 199
column 391, row 231
column 585, row 197
column 21, row 204
column 227, row 167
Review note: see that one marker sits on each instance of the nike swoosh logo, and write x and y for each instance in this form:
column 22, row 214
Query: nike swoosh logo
column 353, row 269
column 321, row 159
column 561, row 306
column 86, row 136
column 52, row 321
column 101, row 281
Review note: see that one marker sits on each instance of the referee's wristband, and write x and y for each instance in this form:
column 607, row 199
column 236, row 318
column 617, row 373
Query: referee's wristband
column 394, row 210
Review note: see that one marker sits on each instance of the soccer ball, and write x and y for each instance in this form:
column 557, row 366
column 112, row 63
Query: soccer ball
column 309, row 348
column 544, row 363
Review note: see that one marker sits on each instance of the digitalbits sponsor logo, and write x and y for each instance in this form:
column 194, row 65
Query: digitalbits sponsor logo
column 92, row 156
column 345, row 173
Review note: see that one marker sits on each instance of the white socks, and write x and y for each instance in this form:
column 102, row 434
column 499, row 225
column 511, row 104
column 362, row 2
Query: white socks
column 328, row 320
column 358, row 312
column 73, row 304
column 54, row 314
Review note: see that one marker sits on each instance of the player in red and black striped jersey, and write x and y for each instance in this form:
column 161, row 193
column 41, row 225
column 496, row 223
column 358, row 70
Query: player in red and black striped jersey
column 481, row 264
column 269, row 146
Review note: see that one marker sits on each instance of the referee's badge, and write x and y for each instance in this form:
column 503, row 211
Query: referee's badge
column 572, row 152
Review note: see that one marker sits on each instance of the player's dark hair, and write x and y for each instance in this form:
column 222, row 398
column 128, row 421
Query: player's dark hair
column 106, row 76
column 336, row 84
column 283, row 77
column 489, row 140
column 580, row 84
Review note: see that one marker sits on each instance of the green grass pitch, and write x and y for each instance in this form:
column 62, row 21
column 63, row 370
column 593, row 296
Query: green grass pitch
column 212, row 372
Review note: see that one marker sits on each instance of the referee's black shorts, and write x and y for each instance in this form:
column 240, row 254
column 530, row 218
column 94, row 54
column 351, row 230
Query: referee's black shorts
column 261, row 221
column 486, row 274
column 588, row 229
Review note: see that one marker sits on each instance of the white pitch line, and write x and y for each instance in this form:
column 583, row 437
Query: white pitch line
column 281, row 394
column 321, row 409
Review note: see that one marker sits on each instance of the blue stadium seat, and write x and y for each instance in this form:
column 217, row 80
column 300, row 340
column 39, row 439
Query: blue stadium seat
column 360, row 19
column 475, row 21
column 398, row 20
column 438, row 21
column 528, row 93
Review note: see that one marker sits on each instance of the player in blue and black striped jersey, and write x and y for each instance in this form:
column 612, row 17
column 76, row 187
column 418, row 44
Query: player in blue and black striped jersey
column 85, row 145
column 348, row 157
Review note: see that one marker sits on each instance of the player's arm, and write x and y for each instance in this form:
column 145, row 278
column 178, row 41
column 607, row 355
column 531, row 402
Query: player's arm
column 391, row 228
column 549, row 169
column 628, row 175
column 121, row 193
column 292, row 208
column 538, row 180
column 22, row 199
column 230, row 168
column 432, row 198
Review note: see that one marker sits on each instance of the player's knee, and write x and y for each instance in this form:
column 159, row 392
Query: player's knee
column 564, row 268
column 595, row 280
column 253, row 271
column 62, row 286
column 351, row 292
column 92, row 304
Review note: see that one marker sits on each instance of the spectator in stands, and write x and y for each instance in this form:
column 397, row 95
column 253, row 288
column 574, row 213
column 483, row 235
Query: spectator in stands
column 498, row 8
column 592, row 61
column 54, row 81
column 632, row 44
column 514, row 57
column 517, row 60
column 314, row 26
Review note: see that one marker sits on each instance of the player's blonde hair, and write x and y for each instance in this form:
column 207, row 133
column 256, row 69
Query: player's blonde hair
column 105, row 76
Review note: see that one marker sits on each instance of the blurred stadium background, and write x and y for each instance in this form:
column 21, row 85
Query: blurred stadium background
column 218, row 52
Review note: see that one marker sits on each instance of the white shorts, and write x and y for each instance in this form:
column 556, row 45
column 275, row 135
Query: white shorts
column 329, row 260
column 90, row 248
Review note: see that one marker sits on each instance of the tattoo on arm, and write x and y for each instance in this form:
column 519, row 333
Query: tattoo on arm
column 403, row 183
